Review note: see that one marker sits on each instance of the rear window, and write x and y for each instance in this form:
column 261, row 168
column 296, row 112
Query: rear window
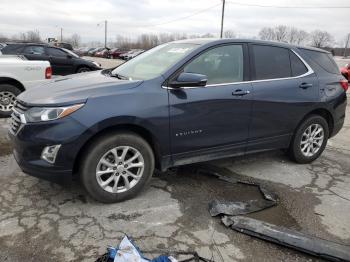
column 324, row 60
column 271, row 62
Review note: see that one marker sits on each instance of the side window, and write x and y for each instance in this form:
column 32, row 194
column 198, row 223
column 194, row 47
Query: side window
column 298, row 67
column 34, row 50
column 222, row 64
column 271, row 62
column 56, row 52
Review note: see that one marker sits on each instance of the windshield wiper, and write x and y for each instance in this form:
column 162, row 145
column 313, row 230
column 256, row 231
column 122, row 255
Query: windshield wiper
column 121, row 77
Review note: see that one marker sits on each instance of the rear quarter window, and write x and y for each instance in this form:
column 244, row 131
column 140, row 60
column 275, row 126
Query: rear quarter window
column 324, row 60
column 12, row 49
column 298, row 67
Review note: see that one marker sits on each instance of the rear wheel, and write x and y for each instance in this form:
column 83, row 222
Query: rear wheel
column 8, row 94
column 83, row 69
column 116, row 167
column 310, row 140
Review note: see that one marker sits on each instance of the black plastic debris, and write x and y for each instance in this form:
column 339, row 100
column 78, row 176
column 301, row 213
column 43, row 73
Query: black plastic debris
column 293, row 239
column 234, row 208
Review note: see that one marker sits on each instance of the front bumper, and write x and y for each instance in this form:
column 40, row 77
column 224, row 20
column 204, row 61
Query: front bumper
column 31, row 139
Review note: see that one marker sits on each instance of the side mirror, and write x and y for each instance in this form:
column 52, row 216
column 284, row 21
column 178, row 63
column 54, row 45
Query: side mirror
column 69, row 56
column 189, row 80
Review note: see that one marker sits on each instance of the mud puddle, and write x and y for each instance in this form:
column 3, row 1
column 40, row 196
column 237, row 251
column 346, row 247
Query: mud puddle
column 195, row 190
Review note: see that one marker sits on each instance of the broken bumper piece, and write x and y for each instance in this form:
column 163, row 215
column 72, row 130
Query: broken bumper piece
column 309, row 244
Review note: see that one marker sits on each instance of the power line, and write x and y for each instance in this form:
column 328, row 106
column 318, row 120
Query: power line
column 184, row 17
column 296, row 7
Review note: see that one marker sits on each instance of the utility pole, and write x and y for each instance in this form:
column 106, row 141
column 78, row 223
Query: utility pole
column 346, row 46
column 105, row 33
column 61, row 34
column 222, row 18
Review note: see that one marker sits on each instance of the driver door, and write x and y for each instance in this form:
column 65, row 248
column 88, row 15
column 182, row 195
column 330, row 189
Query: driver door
column 61, row 62
column 212, row 121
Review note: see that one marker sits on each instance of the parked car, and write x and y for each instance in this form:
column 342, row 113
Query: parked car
column 17, row 74
column 64, row 45
column 346, row 71
column 94, row 51
column 131, row 54
column 103, row 53
column 116, row 53
column 134, row 54
column 83, row 51
column 179, row 103
column 124, row 55
column 63, row 61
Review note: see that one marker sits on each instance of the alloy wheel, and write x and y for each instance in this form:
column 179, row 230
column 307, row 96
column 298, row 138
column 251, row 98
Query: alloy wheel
column 312, row 140
column 120, row 169
column 7, row 100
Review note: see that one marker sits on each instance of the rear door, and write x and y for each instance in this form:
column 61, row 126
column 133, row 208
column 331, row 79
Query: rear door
column 61, row 62
column 212, row 121
column 285, row 89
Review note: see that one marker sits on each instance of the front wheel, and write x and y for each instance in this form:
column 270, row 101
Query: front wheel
column 116, row 167
column 83, row 69
column 8, row 94
column 310, row 139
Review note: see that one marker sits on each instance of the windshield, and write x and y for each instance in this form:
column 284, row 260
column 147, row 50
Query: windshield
column 154, row 62
column 70, row 52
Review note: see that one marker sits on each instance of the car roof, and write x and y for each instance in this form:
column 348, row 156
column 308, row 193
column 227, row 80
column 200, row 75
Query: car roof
column 213, row 41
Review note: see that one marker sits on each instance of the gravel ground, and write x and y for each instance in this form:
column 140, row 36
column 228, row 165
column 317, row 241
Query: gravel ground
column 41, row 221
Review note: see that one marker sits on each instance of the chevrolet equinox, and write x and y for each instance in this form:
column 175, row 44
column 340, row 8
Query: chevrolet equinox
column 178, row 103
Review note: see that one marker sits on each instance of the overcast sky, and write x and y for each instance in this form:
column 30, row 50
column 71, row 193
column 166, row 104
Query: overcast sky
column 133, row 17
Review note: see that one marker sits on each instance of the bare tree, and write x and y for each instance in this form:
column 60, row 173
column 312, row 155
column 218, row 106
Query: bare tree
column 321, row 38
column 281, row 33
column 33, row 36
column 75, row 40
column 229, row 34
column 302, row 37
column 3, row 38
column 297, row 36
column 267, row 33
column 207, row 35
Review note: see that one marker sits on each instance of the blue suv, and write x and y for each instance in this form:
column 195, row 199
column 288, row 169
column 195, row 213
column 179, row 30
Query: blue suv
column 176, row 104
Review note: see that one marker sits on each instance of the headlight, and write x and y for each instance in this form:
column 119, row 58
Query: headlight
column 38, row 114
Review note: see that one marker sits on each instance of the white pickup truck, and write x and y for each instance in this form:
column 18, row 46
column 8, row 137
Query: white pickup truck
column 18, row 74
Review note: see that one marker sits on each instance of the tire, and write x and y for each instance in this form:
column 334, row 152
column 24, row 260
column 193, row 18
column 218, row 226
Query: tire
column 299, row 151
column 98, row 154
column 83, row 69
column 8, row 94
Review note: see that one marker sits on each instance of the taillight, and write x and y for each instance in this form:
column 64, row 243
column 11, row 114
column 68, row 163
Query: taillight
column 344, row 84
column 48, row 72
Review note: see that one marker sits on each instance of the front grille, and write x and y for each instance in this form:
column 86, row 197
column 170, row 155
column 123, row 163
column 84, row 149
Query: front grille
column 17, row 111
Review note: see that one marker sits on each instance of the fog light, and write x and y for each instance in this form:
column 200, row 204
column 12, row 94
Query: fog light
column 49, row 153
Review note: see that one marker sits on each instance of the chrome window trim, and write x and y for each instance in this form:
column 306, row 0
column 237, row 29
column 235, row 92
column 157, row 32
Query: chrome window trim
column 309, row 72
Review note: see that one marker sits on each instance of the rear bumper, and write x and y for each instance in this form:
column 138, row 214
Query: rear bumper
column 339, row 114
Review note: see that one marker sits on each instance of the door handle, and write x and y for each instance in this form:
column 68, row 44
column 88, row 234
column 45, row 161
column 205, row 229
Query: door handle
column 240, row 92
column 305, row 85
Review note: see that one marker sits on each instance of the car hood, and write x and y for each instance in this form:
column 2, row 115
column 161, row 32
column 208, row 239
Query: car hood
column 75, row 89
